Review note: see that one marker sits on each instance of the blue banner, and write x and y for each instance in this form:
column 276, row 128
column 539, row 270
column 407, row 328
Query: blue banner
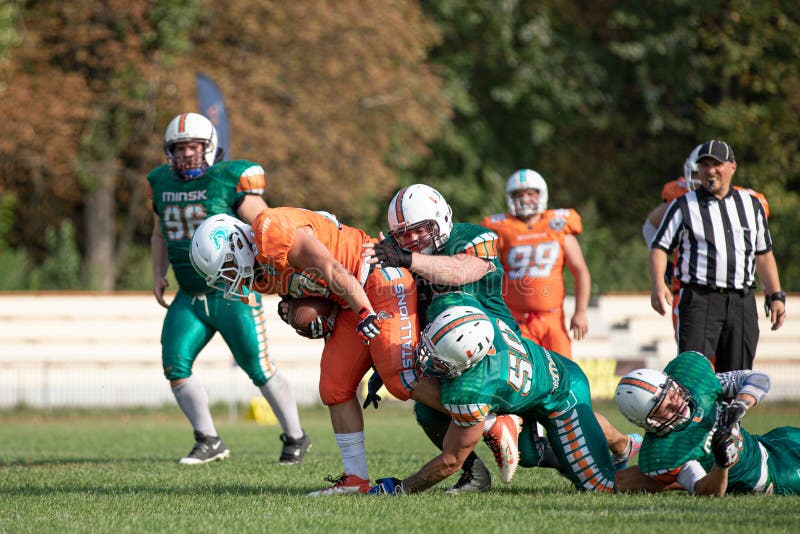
column 209, row 99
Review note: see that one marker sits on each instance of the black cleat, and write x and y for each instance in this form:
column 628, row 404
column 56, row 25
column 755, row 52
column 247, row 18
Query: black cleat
column 206, row 449
column 294, row 449
column 474, row 478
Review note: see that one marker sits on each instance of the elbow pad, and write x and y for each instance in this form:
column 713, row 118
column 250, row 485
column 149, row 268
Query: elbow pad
column 648, row 232
column 756, row 384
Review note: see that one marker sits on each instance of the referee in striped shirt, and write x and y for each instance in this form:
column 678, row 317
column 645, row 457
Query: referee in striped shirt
column 723, row 240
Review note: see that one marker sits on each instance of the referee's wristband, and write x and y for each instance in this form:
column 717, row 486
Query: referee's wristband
column 778, row 295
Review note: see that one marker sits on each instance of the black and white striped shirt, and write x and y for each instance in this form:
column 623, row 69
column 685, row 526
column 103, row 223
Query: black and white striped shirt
column 717, row 240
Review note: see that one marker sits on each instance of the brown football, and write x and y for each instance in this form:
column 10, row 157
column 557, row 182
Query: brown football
column 304, row 310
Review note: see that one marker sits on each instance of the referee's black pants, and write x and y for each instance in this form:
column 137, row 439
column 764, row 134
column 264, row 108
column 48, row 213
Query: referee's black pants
column 719, row 324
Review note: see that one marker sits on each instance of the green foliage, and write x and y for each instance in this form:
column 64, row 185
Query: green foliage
column 61, row 268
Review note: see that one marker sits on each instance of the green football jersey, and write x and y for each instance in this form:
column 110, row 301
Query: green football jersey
column 181, row 207
column 477, row 241
column 517, row 377
column 662, row 457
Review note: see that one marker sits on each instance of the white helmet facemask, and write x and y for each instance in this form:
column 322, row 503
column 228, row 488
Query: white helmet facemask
column 454, row 341
column 222, row 252
column 522, row 180
column 191, row 127
column 640, row 395
column 690, row 168
column 420, row 219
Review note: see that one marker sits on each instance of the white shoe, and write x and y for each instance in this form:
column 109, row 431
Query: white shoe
column 503, row 439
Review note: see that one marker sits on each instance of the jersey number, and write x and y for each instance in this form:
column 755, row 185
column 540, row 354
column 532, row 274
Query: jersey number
column 180, row 222
column 532, row 260
column 520, row 368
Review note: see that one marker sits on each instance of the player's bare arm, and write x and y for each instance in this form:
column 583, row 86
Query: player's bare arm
column 632, row 479
column 458, row 443
column 661, row 296
column 767, row 270
column 454, row 270
column 714, row 484
column 308, row 254
column 158, row 250
column 251, row 206
column 579, row 324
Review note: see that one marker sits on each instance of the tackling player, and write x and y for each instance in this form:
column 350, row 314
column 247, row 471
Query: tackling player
column 191, row 186
column 485, row 368
column 534, row 244
column 302, row 253
column 694, row 440
column 448, row 257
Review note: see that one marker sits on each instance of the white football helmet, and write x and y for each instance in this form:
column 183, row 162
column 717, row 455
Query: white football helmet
column 690, row 168
column 420, row 219
column 192, row 127
column 222, row 251
column 454, row 341
column 519, row 181
column 640, row 394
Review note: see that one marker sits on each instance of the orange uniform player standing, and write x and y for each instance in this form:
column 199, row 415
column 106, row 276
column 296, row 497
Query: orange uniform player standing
column 534, row 245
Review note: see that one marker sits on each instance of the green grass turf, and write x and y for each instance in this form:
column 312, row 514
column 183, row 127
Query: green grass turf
column 103, row 471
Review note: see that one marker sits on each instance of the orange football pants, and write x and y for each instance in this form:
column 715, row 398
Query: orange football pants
column 346, row 359
column 546, row 329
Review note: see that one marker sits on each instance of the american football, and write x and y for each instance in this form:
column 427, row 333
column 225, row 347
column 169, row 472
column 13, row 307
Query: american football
column 303, row 311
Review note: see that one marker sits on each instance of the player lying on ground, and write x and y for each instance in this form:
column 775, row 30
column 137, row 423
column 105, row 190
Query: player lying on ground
column 694, row 440
column 486, row 369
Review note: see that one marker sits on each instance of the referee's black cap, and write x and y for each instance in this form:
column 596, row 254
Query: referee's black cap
column 718, row 150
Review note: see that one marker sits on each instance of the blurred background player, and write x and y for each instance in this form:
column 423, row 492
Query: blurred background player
column 672, row 190
column 192, row 185
column 534, row 245
column 694, row 440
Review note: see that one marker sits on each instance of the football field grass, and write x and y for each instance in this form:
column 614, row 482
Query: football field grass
column 117, row 472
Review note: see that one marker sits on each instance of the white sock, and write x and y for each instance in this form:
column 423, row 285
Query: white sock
column 354, row 454
column 279, row 396
column 193, row 400
column 489, row 422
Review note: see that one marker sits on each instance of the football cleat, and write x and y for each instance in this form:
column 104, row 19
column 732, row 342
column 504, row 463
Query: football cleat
column 634, row 444
column 206, row 449
column 474, row 478
column 294, row 449
column 503, row 439
column 343, row 485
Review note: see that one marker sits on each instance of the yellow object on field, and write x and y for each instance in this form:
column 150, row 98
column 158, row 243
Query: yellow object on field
column 261, row 412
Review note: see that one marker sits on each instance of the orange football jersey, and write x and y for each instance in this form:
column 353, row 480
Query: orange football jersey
column 533, row 257
column 274, row 231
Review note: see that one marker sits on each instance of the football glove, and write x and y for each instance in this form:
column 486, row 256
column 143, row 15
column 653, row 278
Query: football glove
column 387, row 486
column 725, row 447
column 731, row 415
column 317, row 329
column 375, row 383
column 369, row 326
column 390, row 254
column 283, row 309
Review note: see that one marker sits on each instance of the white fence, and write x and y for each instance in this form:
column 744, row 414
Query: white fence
column 86, row 349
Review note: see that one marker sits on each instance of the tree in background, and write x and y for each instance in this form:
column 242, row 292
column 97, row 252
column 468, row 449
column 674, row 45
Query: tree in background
column 330, row 98
column 343, row 102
